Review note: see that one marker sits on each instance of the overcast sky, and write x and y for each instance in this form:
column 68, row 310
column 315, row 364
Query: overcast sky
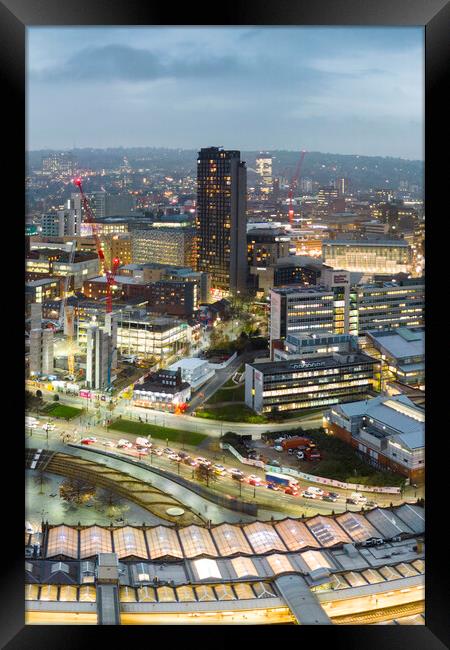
column 338, row 90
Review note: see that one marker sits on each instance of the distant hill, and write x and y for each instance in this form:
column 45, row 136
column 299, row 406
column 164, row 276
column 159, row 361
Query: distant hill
column 363, row 172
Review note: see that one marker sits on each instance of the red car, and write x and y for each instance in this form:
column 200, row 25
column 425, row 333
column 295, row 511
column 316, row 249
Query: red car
column 88, row 441
column 291, row 490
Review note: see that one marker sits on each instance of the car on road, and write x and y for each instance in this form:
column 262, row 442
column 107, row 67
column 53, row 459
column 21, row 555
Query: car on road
column 109, row 443
column 292, row 490
column 278, row 448
column 168, row 451
column 234, row 470
column 254, row 480
column 88, row 441
column 183, row 454
column 124, row 444
column 237, row 477
column 300, row 455
column 273, row 486
column 203, row 461
column 219, row 469
column 157, row 451
column 308, row 495
column 329, row 497
column 371, row 504
column 174, row 457
column 190, row 461
column 143, row 442
column 315, row 490
column 48, row 426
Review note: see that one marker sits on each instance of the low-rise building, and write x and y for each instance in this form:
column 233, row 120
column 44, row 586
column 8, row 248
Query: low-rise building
column 194, row 371
column 164, row 388
column 388, row 432
column 402, row 351
column 279, row 386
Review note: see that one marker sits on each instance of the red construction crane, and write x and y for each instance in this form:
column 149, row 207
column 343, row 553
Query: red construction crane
column 110, row 273
column 294, row 181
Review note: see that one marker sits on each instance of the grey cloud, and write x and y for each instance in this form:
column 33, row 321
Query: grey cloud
column 124, row 63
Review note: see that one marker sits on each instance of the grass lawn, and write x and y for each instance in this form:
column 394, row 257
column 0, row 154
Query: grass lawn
column 62, row 411
column 225, row 394
column 161, row 433
column 233, row 413
column 341, row 462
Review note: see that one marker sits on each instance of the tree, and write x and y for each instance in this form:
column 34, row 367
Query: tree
column 39, row 393
column 76, row 490
column 205, row 473
column 40, row 480
column 111, row 503
column 56, row 398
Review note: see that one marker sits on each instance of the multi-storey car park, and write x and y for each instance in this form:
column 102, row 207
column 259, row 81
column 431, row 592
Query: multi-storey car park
column 320, row 570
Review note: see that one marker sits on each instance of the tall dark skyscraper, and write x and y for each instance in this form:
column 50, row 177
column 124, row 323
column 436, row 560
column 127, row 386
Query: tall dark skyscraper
column 221, row 218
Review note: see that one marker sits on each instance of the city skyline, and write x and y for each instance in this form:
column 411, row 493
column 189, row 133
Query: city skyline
column 354, row 90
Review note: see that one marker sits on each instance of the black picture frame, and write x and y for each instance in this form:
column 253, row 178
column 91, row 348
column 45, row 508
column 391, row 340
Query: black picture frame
column 434, row 15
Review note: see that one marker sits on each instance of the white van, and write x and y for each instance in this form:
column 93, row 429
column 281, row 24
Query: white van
column 314, row 490
column 358, row 497
column 143, row 442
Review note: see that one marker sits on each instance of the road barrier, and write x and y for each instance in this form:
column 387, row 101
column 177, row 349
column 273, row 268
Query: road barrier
column 309, row 477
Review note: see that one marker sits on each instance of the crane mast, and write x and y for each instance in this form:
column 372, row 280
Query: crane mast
column 294, row 181
column 109, row 272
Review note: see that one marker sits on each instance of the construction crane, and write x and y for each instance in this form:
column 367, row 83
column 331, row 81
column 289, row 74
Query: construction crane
column 109, row 272
column 294, row 182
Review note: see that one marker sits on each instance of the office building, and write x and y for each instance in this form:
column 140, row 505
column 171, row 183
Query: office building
column 383, row 304
column 104, row 204
column 293, row 269
column 57, row 262
column 388, row 432
column 402, row 351
column 266, row 245
column 221, row 218
column 98, row 356
column 148, row 336
column 174, row 246
column 279, row 386
column 43, row 289
column 41, row 352
column 304, row 346
column 300, row 309
column 62, row 223
column 264, row 169
column 338, row 281
column 163, row 389
column 368, row 256
column 152, row 272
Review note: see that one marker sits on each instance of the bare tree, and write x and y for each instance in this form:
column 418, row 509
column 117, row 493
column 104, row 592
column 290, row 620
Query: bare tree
column 76, row 490
column 111, row 503
column 40, row 480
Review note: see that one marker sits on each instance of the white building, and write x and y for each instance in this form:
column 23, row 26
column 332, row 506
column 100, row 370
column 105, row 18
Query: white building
column 194, row 371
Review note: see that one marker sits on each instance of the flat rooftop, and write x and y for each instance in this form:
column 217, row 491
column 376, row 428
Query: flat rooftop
column 400, row 343
column 364, row 242
column 331, row 361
